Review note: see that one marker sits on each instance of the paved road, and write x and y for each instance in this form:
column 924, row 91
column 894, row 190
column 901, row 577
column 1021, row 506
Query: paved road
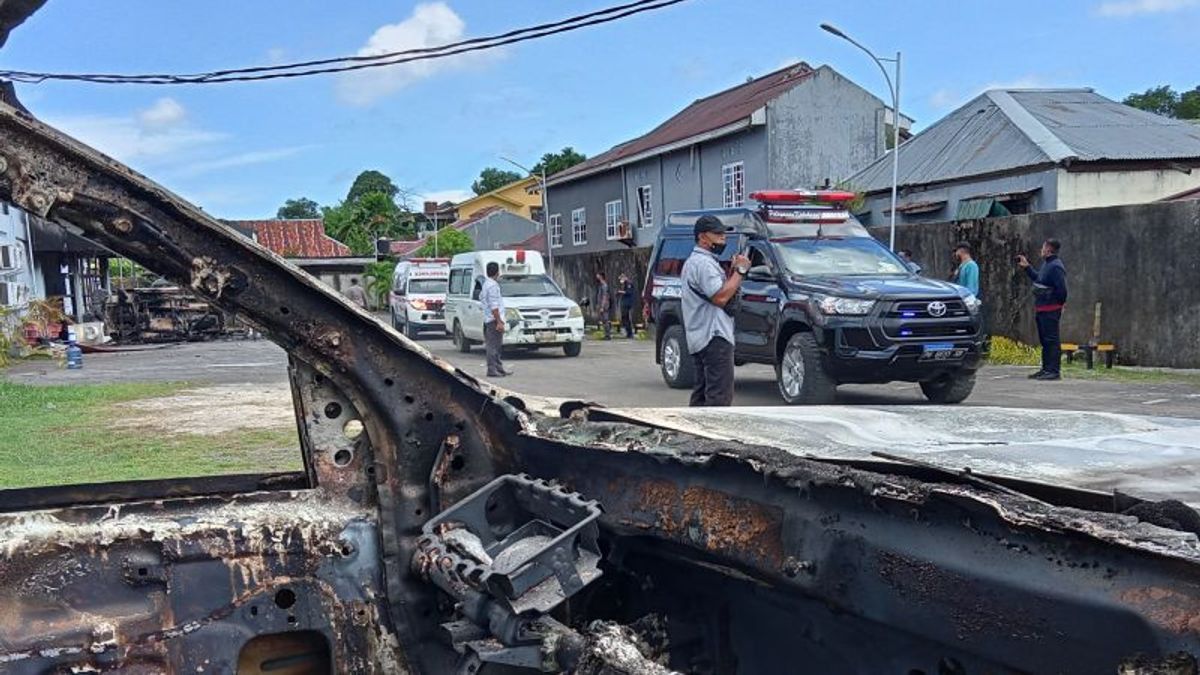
column 618, row 373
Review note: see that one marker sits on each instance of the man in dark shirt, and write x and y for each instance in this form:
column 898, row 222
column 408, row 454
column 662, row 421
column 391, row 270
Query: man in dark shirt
column 1049, row 298
column 627, row 292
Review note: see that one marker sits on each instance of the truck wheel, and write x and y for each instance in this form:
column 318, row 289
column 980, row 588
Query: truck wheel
column 572, row 348
column 678, row 371
column 395, row 323
column 409, row 331
column 949, row 389
column 460, row 340
column 801, row 377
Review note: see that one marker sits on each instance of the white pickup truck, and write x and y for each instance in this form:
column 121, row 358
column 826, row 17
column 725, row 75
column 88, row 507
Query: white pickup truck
column 537, row 313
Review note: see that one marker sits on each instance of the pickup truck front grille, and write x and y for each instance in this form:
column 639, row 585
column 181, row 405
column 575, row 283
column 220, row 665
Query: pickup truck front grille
column 946, row 329
column 923, row 309
column 543, row 313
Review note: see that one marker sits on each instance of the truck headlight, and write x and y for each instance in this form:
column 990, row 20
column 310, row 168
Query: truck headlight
column 843, row 306
column 511, row 315
column 417, row 303
column 973, row 303
column 575, row 312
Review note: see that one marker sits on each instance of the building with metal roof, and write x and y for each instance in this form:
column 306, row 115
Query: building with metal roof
column 798, row 126
column 1029, row 150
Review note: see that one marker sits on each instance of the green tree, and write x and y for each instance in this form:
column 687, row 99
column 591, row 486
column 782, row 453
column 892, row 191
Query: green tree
column 372, row 181
column 450, row 242
column 299, row 208
column 377, row 281
column 559, row 161
column 492, row 178
column 1166, row 101
column 360, row 223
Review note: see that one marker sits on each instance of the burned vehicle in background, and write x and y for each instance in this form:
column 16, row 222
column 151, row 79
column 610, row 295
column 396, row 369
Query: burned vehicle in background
column 441, row 525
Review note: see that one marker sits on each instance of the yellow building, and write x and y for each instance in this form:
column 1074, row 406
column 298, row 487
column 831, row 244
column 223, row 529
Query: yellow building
column 521, row 198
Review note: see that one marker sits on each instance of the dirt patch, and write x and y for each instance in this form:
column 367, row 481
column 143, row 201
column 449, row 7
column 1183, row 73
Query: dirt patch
column 210, row 410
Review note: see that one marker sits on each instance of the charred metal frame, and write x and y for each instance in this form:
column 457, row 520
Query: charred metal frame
column 759, row 561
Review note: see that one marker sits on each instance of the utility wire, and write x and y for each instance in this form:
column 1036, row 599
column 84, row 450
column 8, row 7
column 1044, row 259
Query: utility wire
column 350, row 63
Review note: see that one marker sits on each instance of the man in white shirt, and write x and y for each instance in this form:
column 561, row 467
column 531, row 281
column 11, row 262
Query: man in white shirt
column 493, row 321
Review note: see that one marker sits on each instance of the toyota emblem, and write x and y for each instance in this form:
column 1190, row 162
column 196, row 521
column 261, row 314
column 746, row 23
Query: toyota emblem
column 937, row 308
column 546, row 314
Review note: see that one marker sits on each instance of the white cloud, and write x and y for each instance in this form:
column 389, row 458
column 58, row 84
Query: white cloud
column 1137, row 7
column 431, row 25
column 440, row 196
column 241, row 159
column 153, row 134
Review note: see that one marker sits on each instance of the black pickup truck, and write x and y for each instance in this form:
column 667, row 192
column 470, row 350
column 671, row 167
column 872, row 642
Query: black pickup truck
column 824, row 303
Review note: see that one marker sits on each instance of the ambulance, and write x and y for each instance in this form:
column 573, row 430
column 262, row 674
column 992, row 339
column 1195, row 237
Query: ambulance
column 418, row 295
column 537, row 313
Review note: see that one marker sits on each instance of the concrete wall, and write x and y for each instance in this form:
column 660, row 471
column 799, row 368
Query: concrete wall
column 1046, row 199
column 1086, row 189
column 14, row 232
column 828, row 127
column 577, row 276
column 1139, row 261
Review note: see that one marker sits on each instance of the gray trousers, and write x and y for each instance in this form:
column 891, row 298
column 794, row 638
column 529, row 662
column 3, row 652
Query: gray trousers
column 493, row 340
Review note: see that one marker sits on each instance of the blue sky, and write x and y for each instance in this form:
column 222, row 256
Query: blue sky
column 240, row 150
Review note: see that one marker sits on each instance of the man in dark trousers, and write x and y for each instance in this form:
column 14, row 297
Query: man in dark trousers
column 628, row 293
column 1049, row 298
column 493, row 321
column 708, row 328
column 604, row 303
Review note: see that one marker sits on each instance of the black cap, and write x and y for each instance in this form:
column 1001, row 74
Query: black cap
column 707, row 224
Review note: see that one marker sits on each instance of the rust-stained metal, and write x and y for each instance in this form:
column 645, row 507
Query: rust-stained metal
column 747, row 558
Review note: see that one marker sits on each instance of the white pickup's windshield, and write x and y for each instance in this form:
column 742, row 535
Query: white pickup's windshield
column 427, row 285
column 533, row 285
column 838, row 257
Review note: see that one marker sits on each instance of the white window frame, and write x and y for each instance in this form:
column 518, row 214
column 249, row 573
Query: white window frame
column 646, row 205
column 579, row 227
column 556, row 230
column 733, row 184
column 613, row 211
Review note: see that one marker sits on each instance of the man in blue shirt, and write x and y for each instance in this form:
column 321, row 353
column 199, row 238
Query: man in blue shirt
column 1049, row 298
column 968, row 269
column 493, row 321
column 707, row 326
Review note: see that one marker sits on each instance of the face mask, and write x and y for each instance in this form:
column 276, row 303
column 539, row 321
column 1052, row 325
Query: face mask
column 716, row 247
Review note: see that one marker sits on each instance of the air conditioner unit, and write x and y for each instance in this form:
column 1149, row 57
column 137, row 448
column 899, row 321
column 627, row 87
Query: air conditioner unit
column 9, row 293
column 8, row 257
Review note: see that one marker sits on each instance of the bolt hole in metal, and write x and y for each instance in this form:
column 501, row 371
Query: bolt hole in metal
column 342, row 457
column 142, row 571
column 409, row 399
column 333, row 410
column 347, row 550
column 253, row 610
column 284, row 310
column 353, row 429
column 428, row 417
column 387, row 381
column 458, row 463
column 285, row 598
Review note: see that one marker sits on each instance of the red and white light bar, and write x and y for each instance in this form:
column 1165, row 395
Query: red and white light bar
column 803, row 196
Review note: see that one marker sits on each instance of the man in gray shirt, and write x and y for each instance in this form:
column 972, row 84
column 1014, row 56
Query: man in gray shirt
column 493, row 321
column 708, row 328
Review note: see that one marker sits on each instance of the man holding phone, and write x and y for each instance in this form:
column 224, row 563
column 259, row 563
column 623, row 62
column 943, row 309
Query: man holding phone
column 1049, row 298
column 708, row 326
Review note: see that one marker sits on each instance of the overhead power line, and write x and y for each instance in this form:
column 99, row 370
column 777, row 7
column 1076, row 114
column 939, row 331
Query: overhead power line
column 349, row 63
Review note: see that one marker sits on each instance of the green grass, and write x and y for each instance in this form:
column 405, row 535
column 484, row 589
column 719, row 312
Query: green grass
column 59, row 435
column 1008, row 352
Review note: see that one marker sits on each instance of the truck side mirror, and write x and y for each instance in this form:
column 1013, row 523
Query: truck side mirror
column 761, row 273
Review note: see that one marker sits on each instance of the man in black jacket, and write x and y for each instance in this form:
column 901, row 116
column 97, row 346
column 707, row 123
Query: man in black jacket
column 1049, row 298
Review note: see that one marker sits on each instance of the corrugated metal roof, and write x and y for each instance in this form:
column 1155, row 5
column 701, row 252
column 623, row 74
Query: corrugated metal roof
column 705, row 115
column 1006, row 129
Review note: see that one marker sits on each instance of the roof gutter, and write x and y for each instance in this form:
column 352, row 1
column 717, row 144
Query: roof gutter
column 757, row 118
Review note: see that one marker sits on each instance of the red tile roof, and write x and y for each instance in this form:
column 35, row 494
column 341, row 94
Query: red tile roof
column 295, row 238
column 706, row 114
column 535, row 243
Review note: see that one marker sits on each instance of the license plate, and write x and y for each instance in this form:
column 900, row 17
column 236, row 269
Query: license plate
column 942, row 351
column 546, row 336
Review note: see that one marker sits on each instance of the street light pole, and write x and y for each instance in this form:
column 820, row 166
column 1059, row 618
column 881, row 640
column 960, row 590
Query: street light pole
column 894, row 90
column 545, row 210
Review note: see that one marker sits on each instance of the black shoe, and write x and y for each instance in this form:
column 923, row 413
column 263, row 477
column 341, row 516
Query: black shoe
column 507, row 372
column 1036, row 375
column 1047, row 377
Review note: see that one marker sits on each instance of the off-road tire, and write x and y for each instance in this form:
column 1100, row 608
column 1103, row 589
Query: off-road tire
column 678, row 370
column 815, row 386
column 572, row 348
column 949, row 389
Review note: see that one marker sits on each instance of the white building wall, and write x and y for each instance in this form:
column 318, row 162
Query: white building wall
column 1086, row 189
column 14, row 232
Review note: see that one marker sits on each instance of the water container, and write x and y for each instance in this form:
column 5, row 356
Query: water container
column 74, row 356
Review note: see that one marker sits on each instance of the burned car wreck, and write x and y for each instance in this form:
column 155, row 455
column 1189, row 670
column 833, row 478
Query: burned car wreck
column 469, row 530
